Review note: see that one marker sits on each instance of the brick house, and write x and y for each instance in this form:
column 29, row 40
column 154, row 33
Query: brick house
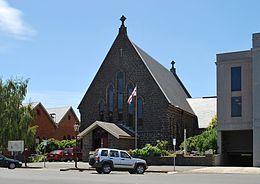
column 54, row 123
column 46, row 125
column 162, row 109
column 64, row 118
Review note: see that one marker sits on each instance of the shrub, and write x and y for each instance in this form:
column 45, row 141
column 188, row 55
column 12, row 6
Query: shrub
column 205, row 141
column 162, row 145
column 53, row 144
column 150, row 150
column 67, row 144
column 36, row 158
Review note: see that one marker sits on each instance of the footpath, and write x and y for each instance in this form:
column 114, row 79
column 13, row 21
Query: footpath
column 84, row 166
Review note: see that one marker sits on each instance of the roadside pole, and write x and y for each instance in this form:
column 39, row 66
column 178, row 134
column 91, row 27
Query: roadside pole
column 185, row 146
column 44, row 160
column 174, row 156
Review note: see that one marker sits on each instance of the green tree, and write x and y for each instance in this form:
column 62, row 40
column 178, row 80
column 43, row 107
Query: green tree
column 205, row 141
column 15, row 119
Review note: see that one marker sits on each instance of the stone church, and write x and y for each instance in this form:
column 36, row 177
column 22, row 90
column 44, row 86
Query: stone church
column 161, row 110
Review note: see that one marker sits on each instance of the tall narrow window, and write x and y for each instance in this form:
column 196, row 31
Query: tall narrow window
column 101, row 110
column 120, row 94
column 110, row 102
column 236, row 78
column 130, row 108
column 236, row 106
column 140, row 111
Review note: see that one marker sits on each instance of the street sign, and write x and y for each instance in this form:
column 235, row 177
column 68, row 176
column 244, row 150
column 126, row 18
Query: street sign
column 174, row 142
column 16, row 145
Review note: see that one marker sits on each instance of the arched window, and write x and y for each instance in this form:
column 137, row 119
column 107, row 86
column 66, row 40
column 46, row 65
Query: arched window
column 120, row 94
column 101, row 110
column 130, row 108
column 140, row 110
column 110, row 102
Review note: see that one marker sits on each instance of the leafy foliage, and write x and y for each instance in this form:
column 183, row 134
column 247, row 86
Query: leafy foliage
column 53, row 144
column 205, row 141
column 67, row 144
column 149, row 150
column 15, row 119
column 36, row 158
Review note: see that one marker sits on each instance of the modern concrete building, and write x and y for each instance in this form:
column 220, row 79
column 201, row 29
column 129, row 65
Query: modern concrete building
column 238, row 105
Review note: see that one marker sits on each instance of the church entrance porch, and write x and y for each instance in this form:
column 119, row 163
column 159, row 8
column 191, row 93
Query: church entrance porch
column 104, row 135
column 100, row 138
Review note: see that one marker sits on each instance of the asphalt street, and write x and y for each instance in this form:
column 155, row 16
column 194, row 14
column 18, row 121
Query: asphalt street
column 50, row 176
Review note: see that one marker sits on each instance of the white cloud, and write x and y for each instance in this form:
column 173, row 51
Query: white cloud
column 11, row 22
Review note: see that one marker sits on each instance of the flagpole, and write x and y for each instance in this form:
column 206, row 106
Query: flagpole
column 136, row 119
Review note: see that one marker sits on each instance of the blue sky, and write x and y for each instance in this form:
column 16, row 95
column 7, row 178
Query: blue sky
column 59, row 45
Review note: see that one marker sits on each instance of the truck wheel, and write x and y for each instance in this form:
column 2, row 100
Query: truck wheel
column 106, row 168
column 92, row 161
column 140, row 169
column 99, row 170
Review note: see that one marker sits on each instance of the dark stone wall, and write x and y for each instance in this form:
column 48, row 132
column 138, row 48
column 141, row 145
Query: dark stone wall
column 160, row 119
column 124, row 144
column 86, row 146
column 181, row 160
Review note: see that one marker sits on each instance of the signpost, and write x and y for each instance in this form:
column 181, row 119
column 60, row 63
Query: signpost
column 16, row 146
column 45, row 144
column 174, row 144
column 185, row 146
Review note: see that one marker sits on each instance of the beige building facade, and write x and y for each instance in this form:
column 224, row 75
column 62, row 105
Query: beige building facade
column 238, row 106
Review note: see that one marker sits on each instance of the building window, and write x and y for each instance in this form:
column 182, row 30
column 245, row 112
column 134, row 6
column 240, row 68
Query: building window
column 110, row 102
column 140, row 110
column 101, row 110
column 120, row 94
column 130, row 107
column 69, row 117
column 236, row 78
column 236, row 106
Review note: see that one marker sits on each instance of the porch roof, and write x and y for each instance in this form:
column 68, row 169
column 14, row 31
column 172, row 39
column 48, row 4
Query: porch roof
column 111, row 128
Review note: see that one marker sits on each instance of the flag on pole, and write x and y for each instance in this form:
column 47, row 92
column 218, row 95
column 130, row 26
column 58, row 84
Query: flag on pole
column 131, row 96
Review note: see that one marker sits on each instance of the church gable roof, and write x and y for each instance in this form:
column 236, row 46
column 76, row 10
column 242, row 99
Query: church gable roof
column 60, row 112
column 169, row 83
column 111, row 128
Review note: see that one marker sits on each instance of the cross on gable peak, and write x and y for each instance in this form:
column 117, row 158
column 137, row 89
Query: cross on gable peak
column 122, row 28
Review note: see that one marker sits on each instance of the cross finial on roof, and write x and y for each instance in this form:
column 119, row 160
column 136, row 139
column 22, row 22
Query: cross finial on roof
column 122, row 28
column 173, row 69
column 123, row 18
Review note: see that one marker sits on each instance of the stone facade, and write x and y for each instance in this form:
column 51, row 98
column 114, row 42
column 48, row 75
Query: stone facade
column 160, row 121
column 181, row 160
column 113, row 142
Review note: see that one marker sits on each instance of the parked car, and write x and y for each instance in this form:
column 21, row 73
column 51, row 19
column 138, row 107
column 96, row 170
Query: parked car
column 105, row 160
column 9, row 163
column 56, row 155
column 70, row 154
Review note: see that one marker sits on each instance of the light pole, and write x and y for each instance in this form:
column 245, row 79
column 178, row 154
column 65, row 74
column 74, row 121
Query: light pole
column 174, row 152
column 76, row 128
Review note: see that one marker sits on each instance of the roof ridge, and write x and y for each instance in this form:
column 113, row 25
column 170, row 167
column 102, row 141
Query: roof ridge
column 158, row 71
column 149, row 69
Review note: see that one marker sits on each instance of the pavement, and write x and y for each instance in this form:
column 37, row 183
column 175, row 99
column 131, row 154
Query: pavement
column 84, row 166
